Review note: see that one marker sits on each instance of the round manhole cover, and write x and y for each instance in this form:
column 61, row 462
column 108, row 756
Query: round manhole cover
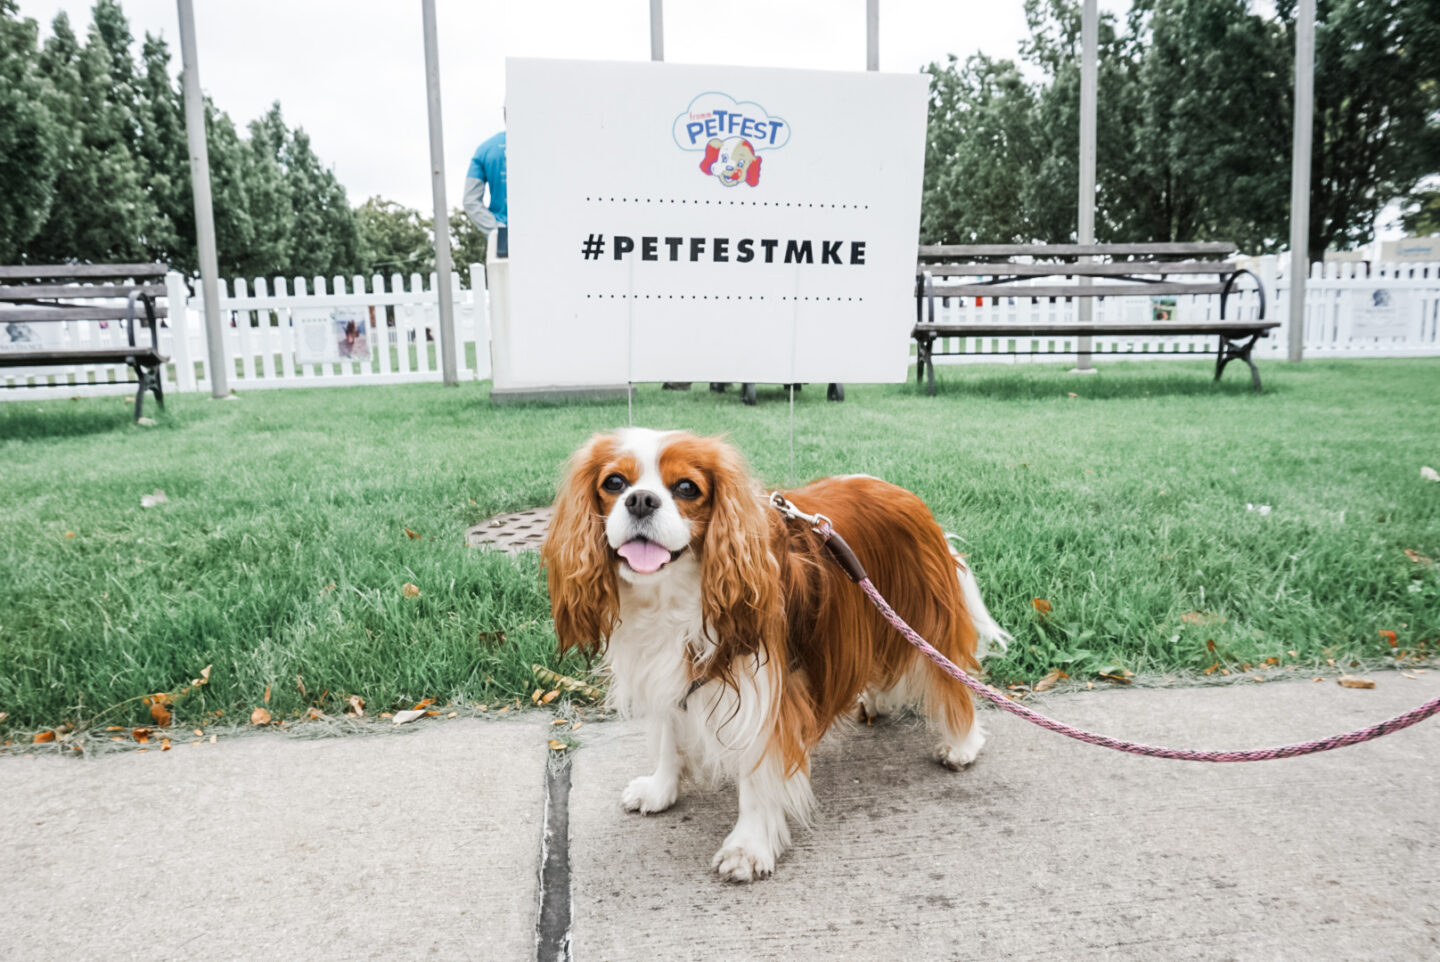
column 512, row 533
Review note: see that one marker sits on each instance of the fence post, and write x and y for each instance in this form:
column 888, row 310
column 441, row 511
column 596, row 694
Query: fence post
column 480, row 296
column 1268, row 270
column 177, row 302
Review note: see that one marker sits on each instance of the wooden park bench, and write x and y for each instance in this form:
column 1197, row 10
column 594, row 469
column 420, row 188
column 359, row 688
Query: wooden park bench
column 996, row 270
column 32, row 295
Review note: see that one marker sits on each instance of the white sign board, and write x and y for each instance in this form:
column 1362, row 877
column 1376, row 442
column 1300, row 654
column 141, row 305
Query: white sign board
column 1380, row 312
column 335, row 334
column 671, row 222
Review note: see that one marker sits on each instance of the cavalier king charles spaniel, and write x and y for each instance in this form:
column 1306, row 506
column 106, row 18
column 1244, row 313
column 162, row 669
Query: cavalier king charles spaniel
column 734, row 636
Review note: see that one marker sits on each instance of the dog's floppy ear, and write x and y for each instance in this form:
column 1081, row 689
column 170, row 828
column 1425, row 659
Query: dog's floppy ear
column 740, row 578
column 712, row 154
column 584, row 596
column 752, row 172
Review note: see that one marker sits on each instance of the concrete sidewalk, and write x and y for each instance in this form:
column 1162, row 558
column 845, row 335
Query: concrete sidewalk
column 417, row 845
column 1048, row 848
column 427, row 844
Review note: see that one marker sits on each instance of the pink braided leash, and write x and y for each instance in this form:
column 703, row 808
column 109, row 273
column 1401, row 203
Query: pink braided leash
column 1135, row 748
column 845, row 558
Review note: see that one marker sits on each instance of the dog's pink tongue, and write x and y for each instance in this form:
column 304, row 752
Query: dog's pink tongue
column 645, row 557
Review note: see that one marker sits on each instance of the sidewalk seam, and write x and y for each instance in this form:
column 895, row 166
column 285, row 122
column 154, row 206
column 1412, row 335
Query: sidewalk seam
column 552, row 924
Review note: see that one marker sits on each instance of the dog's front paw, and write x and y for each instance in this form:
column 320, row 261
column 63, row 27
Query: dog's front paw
column 648, row 795
column 740, row 861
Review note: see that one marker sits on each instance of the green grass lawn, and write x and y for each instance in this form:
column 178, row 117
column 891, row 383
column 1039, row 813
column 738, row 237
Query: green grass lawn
column 1120, row 499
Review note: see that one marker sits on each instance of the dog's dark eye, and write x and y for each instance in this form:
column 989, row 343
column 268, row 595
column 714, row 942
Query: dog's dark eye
column 686, row 490
column 615, row 483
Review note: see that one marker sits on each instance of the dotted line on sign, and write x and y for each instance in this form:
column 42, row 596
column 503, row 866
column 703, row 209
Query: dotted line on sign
column 720, row 203
column 716, row 297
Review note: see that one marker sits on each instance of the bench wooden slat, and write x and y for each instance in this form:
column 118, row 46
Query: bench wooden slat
column 962, row 251
column 1108, row 269
column 76, row 312
column 1148, row 328
column 77, row 292
column 97, row 355
column 1073, row 290
column 50, row 271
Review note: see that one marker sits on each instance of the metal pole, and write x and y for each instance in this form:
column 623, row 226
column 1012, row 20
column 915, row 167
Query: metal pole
column 872, row 34
column 1085, row 234
column 657, row 30
column 1089, row 42
column 1300, row 174
column 437, row 189
column 204, row 215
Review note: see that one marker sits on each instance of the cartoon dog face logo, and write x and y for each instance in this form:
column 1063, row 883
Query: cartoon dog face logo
column 731, row 161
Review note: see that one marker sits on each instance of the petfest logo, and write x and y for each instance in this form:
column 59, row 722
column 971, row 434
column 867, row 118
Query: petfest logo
column 731, row 135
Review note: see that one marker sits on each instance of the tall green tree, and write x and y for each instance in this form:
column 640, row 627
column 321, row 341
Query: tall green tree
column 1377, row 110
column 102, row 209
column 981, row 157
column 28, row 152
column 394, row 239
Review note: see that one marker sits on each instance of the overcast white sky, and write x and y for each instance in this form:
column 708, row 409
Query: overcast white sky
column 351, row 72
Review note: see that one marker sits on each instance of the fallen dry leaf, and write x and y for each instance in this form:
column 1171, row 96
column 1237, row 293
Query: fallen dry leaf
column 452, row 714
column 550, row 696
column 355, row 705
column 165, row 744
column 259, row 717
column 1048, row 682
column 151, row 500
column 1212, row 668
column 1349, row 681
column 409, row 590
column 315, row 714
column 1257, row 677
column 557, row 745
column 43, row 737
column 424, row 703
column 212, row 739
column 403, row 717
column 559, row 721
column 576, row 727
column 1040, row 605
column 141, row 735
column 204, row 678
column 199, row 733
column 1389, row 636
column 160, row 714
column 267, row 694
column 535, row 695
column 69, row 534
column 1417, row 557
column 413, row 536
column 1429, row 474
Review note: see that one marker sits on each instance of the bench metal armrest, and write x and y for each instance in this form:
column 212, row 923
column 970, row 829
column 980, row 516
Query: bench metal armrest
column 1230, row 284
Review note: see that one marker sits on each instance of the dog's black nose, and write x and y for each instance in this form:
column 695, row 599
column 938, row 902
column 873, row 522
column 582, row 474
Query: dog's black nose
column 642, row 504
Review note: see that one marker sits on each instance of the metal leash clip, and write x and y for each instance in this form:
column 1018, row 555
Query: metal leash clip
column 785, row 507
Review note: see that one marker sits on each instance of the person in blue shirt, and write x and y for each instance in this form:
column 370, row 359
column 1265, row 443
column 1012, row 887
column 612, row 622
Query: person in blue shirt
column 487, row 167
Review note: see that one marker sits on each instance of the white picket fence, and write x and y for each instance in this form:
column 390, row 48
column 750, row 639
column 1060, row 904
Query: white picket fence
column 262, row 347
column 1332, row 294
column 261, row 337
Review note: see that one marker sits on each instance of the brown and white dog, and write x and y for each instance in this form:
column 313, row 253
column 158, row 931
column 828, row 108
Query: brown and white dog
column 735, row 637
